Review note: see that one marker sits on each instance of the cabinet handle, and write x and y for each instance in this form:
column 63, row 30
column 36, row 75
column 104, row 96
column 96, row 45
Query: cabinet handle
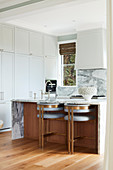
column 30, row 54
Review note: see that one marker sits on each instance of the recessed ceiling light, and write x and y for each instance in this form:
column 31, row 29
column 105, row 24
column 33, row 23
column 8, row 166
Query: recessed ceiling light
column 73, row 20
column 45, row 26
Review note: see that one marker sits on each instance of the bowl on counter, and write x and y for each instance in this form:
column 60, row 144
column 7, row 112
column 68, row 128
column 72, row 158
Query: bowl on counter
column 87, row 92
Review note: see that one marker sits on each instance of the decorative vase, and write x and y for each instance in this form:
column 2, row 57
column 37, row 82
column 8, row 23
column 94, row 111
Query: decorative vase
column 87, row 92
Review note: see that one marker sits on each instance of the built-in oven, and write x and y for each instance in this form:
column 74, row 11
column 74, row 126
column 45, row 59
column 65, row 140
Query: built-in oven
column 50, row 85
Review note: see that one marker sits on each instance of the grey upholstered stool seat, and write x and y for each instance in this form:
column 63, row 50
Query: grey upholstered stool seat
column 80, row 118
column 52, row 115
column 51, row 109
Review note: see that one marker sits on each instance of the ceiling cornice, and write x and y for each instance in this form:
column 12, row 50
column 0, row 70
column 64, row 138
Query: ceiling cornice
column 22, row 4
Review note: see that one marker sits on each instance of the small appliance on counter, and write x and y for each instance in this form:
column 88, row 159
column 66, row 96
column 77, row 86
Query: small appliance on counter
column 50, row 85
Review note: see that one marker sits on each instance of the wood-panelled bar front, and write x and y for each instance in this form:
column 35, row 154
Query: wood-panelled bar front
column 77, row 113
column 48, row 111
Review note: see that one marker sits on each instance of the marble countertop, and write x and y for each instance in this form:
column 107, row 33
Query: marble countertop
column 75, row 101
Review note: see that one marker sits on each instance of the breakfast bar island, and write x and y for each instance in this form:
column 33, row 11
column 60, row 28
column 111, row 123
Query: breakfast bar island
column 25, row 123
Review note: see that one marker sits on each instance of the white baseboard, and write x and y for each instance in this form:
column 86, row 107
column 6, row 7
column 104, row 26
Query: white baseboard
column 5, row 130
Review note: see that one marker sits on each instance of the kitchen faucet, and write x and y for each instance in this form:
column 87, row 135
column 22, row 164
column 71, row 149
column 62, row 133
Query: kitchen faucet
column 42, row 93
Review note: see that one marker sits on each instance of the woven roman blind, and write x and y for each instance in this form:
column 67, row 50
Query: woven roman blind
column 68, row 48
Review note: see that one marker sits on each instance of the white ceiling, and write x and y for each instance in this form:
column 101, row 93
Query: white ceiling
column 66, row 18
column 6, row 3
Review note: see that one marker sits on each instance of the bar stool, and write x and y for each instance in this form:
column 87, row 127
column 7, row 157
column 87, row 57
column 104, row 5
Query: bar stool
column 44, row 108
column 80, row 111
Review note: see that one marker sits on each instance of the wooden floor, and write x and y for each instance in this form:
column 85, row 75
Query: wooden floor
column 25, row 154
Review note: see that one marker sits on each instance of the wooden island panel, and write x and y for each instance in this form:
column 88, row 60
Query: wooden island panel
column 31, row 124
column 89, row 129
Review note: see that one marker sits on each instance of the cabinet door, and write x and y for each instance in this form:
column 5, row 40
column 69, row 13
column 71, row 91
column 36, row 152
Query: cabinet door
column 7, row 75
column 36, row 44
column 21, row 76
column 8, row 38
column 21, row 41
column 50, row 46
column 5, row 114
column 50, row 68
column 0, row 73
column 36, row 75
column 1, row 37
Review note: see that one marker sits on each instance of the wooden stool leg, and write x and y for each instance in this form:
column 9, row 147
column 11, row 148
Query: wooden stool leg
column 39, row 126
column 68, row 130
column 72, row 131
column 42, row 127
column 47, row 129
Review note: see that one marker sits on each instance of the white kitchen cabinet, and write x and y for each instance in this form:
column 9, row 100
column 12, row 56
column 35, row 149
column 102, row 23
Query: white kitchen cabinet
column 7, row 75
column 0, row 36
column 7, row 38
column 50, row 46
column 36, row 44
column 91, row 49
column 36, row 75
column 0, row 73
column 21, row 76
column 21, row 41
column 50, row 67
column 5, row 114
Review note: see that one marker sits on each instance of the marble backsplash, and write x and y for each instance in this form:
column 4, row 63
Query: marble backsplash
column 87, row 77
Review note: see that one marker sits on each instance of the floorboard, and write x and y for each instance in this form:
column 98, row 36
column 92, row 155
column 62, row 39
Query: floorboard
column 25, row 154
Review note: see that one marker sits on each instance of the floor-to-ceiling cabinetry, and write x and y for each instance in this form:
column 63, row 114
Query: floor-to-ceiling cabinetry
column 27, row 58
column 6, row 87
column 36, row 75
column 6, row 73
column 21, row 76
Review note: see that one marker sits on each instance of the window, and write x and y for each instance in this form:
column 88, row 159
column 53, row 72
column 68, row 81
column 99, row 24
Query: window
column 67, row 52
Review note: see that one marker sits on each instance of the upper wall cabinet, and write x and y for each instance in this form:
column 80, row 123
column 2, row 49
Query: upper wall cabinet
column 50, row 46
column 50, row 67
column 6, row 38
column 21, row 41
column 91, row 49
column 36, row 44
